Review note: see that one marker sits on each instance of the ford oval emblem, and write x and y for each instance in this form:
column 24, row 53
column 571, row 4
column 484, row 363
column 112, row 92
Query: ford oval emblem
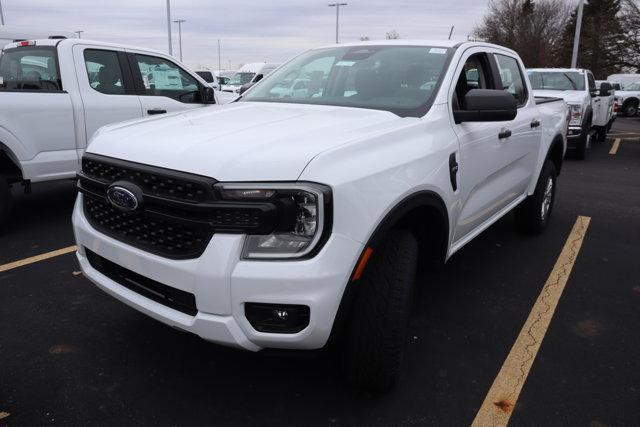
column 122, row 198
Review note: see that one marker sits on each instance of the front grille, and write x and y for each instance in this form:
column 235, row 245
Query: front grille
column 166, row 238
column 153, row 181
column 176, row 299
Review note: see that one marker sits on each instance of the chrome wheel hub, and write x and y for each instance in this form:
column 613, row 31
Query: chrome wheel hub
column 547, row 199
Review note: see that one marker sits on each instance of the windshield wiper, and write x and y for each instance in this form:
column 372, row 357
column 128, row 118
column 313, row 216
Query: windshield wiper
column 573, row 84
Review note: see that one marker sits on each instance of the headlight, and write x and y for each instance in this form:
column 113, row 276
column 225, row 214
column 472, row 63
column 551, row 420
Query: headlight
column 303, row 211
column 576, row 115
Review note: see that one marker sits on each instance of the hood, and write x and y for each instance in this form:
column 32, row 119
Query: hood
column 569, row 96
column 240, row 141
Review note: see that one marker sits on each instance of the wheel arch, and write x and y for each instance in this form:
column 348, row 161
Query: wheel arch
column 9, row 164
column 425, row 214
column 556, row 152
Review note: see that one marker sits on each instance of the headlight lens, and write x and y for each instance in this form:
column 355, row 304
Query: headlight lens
column 302, row 217
column 576, row 115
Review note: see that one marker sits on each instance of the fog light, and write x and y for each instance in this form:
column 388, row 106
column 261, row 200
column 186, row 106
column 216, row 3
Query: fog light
column 277, row 318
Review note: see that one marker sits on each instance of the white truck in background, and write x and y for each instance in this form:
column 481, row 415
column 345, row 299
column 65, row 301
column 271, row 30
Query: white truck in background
column 55, row 94
column 592, row 110
column 248, row 75
column 628, row 99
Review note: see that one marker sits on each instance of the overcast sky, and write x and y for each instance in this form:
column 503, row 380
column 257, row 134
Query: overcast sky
column 250, row 31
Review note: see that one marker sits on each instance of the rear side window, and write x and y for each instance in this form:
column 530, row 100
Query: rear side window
column 30, row 69
column 511, row 77
column 161, row 77
column 104, row 72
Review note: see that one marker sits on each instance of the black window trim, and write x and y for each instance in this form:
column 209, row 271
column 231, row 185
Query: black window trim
column 125, row 70
column 494, row 61
column 54, row 49
column 139, row 83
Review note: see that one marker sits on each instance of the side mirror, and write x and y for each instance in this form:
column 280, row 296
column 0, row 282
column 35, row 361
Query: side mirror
column 487, row 105
column 605, row 89
column 245, row 87
column 208, row 95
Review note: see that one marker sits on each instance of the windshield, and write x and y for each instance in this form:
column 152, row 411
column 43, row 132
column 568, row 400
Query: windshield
column 633, row 86
column 556, row 80
column 240, row 79
column 30, row 68
column 400, row 79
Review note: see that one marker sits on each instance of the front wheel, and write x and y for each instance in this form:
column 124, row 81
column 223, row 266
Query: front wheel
column 630, row 109
column 378, row 325
column 583, row 145
column 6, row 201
column 532, row 215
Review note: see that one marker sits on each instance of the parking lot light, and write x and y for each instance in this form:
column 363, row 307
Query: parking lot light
column 337, row 6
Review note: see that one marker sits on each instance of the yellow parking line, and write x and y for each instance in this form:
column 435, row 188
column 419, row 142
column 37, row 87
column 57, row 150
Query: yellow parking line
column 503, row 395
column 37, row 258
column 614, row 147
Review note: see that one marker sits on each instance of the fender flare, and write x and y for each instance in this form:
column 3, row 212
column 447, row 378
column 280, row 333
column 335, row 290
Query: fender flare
column 7, row 156
column 558, row 141
column 420, row 199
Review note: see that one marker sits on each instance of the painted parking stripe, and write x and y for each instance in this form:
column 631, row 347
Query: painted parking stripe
column 37, row 258
column 614, row 147
column 505, row 390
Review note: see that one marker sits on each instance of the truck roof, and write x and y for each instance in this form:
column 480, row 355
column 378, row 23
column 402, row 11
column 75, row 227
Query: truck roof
column 417, row 42
column 559, row 70
column 73, row 42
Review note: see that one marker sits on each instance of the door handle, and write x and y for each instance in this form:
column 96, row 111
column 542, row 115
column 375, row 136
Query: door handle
column 535, row 123
column 504, row 133
column 156, row 111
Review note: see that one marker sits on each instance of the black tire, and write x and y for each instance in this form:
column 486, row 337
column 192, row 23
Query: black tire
column 531, row 216
column 630, row 109
column 583, row 145
column 6, row 201
column 601, row 134
column 377, row 328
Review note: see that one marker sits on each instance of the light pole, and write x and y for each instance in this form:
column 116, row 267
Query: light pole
column 576, row 37
column 179, row 22
column 337, row 6
column 1, row 14
column 79, row 33
column 218, row 56
column 169, row 26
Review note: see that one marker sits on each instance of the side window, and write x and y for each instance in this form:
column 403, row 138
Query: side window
column 592, row 82
column 161, row 77
column 475, row 75
column 511, row 77
column 103, row 69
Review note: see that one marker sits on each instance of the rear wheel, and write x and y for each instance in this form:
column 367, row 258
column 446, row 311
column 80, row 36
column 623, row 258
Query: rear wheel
column 377, row 329
column 6, row 201
column 630, row 109
column 532, row 215
column 601, row 134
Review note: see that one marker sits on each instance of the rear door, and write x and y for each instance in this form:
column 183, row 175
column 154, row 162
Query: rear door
column 106, row 87
column 496, row 158
column 163, row 86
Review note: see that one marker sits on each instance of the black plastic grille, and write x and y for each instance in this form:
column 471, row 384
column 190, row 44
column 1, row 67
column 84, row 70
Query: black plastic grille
column 170, row 239
column 153, row 181
column 176, row 299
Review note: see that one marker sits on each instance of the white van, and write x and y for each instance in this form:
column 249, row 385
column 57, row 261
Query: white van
column 249, row 74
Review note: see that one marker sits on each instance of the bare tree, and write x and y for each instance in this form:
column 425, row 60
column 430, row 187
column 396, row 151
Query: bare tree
column 392, row 35
column 533, row 29
column 629, row 45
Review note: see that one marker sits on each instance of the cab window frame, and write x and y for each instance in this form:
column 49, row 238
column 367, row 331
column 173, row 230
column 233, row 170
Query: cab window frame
column 496, row 64
column 125, row 71
column 55, row 56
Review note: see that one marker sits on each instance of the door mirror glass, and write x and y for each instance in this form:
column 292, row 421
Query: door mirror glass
column 605, row 89
column 208, row 95
column 487, row 105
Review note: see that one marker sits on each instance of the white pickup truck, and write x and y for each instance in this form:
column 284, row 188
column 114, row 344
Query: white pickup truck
column 294, row 223
column 592, row 109
column 628, row 99
column 54, row 94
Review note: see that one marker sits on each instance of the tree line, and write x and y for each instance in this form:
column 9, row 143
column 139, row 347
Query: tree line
column 542, row 32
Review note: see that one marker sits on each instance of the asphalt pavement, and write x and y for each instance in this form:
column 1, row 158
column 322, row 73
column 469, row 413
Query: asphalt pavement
column 70, row 354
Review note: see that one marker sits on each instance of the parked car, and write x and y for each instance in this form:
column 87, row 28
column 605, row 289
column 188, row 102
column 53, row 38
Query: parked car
column 624, row 79
column 54, row 94
column 297, row 223
column 248, row 75
column 209, row 78
column 591, row 108
column 628, row 99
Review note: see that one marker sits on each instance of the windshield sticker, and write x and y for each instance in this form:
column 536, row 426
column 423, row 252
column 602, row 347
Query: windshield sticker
column 438, row 50
column 345, row 63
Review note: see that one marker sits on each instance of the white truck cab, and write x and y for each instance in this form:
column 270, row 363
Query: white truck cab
column 249, row 74
column 628, row 99
column 55, row 94
column 294, row 223
column 591, row 108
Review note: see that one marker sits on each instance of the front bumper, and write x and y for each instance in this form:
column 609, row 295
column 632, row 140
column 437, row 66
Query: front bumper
column 222, row 284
